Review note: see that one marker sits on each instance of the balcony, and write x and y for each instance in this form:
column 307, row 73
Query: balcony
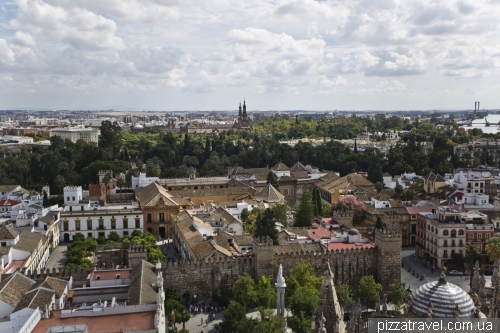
column 445, row 255
column 445, row 244
column 101, row 227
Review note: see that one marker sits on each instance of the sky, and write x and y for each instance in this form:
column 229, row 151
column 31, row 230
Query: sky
column 277, row 55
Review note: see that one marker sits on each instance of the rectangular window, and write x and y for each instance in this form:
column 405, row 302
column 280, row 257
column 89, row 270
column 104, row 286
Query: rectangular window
column 77, row 225
column 125, row 233
column 101, row 234
column 89, row 224
column 487, row 236
column 162, row 217
column 149, row 218
column 101, row 224
column 113, row 223
column 65, row 225
column 479, row 237
column 125, row 223
column 137, row 223
column 89, row 235
column 4, row 243
column 285, row 191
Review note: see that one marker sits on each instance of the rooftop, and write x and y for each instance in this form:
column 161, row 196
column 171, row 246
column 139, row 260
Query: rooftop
column 141, row 321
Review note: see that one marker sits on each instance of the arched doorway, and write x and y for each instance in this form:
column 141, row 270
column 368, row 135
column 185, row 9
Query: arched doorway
column 66, row 237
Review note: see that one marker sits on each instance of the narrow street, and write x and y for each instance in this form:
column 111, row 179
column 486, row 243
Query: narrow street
column 58, row 257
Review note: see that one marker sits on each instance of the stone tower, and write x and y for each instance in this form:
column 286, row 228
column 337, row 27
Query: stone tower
column 388, row 250
column 343, row 218
column 263, row 249
column 391, row 220
column 192, row 173
column 239, row 112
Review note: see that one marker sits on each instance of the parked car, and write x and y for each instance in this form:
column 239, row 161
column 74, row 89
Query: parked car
column 455, row 272
column 488, row 272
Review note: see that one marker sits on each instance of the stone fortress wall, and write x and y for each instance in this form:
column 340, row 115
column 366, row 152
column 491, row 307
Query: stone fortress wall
column 205, row 277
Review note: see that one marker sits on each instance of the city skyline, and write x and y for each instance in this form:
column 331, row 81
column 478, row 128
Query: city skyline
column 283, row 55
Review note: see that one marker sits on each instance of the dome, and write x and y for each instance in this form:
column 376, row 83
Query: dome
column 353, row 232
column 445, row 297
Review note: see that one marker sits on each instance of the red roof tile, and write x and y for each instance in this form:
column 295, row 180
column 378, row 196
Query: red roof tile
column 349, row 246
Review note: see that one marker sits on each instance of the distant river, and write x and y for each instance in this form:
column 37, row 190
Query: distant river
column 481, row 124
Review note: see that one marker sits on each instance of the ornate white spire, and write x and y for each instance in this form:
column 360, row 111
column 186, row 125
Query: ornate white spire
column 280, row 280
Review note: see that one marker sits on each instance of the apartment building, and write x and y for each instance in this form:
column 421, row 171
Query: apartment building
column 442, row 233
column 96, row 221
column 77, row 133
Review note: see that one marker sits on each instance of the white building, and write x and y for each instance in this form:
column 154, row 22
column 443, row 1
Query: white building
column 73, row 195
column 86, row 134
column 19, row 139
column 95, row 221
column 143, row 181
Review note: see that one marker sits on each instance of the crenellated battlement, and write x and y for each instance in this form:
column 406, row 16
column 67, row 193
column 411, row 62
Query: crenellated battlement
column 78, row 273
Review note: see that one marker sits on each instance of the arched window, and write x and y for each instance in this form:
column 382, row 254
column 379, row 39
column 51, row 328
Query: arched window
column 460, row 232
column 432, row 229
column 445, row 233
column 453, row 233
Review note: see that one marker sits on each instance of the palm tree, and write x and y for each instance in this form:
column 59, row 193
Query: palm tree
column 60, row 181
column 471, row 249
column 493, row 248
column 106, row 180
column 120, row 182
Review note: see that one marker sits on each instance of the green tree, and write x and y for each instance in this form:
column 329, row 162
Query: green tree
column 155, row 255
column 397, row 294
column 493, row 248
column 471, row 251
column 398, row 191
column 176, row 312
column 299, row 323
column 305, row 213
column 45, row 199
column 368, row 291
column 302, row 275
column 110, row 140
column 91, row 244
column 273, row 180
column 78, row 237
column 375, row 171
column 268, row 323
column 379, row 186
column 244, row 291
column 266, row 293
column 314, row 202
column 101, row 240
column 319, row 203
column 344, row 294
column 279, row 213
column 379, row 224
column 60, row 181
column 244, row 215
column 265, row 226
column 232, row 316
column 303, row 301
column 172, row 293
column 120, row 183
column 114, row 236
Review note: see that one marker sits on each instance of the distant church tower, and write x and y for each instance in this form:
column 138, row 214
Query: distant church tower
column 242, row 117
column 239, row 113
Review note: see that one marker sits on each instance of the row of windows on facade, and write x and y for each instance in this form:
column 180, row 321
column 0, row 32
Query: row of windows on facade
column 461, row 232
column 101, row 224
column 103, row 234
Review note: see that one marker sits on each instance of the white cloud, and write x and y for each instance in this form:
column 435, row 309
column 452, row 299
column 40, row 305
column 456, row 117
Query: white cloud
column 223, row 48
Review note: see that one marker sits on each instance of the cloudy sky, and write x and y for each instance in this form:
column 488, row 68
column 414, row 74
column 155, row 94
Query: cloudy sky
column 279, row 55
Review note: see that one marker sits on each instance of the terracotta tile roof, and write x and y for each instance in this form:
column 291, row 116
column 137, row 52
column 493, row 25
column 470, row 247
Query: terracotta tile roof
column 296, row 247
column 141, row 290
column 8, row 188
column 280, row 167
column 28, row 241
column 151, row 194
column 349, row 182
column 13, row 288
column 319, row 233
column 349, row 246
column 212, row 192
column 8, row 232
column 299, row 175
column 57, row 285
column 129, row 322
column 8, row 202
column 5, row 250
column 298, row 167
column 36, row 298
column 270, row 194
column 298, row 231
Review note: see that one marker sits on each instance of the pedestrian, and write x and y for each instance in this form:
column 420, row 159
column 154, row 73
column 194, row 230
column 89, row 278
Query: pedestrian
column 201, row 321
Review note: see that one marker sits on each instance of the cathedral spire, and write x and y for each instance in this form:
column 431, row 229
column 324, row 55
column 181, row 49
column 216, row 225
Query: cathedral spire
column 244, row 109
column 239, row 112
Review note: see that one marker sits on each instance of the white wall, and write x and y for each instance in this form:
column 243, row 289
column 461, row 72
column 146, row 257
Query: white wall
column 72, row 194
column 5, row 309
